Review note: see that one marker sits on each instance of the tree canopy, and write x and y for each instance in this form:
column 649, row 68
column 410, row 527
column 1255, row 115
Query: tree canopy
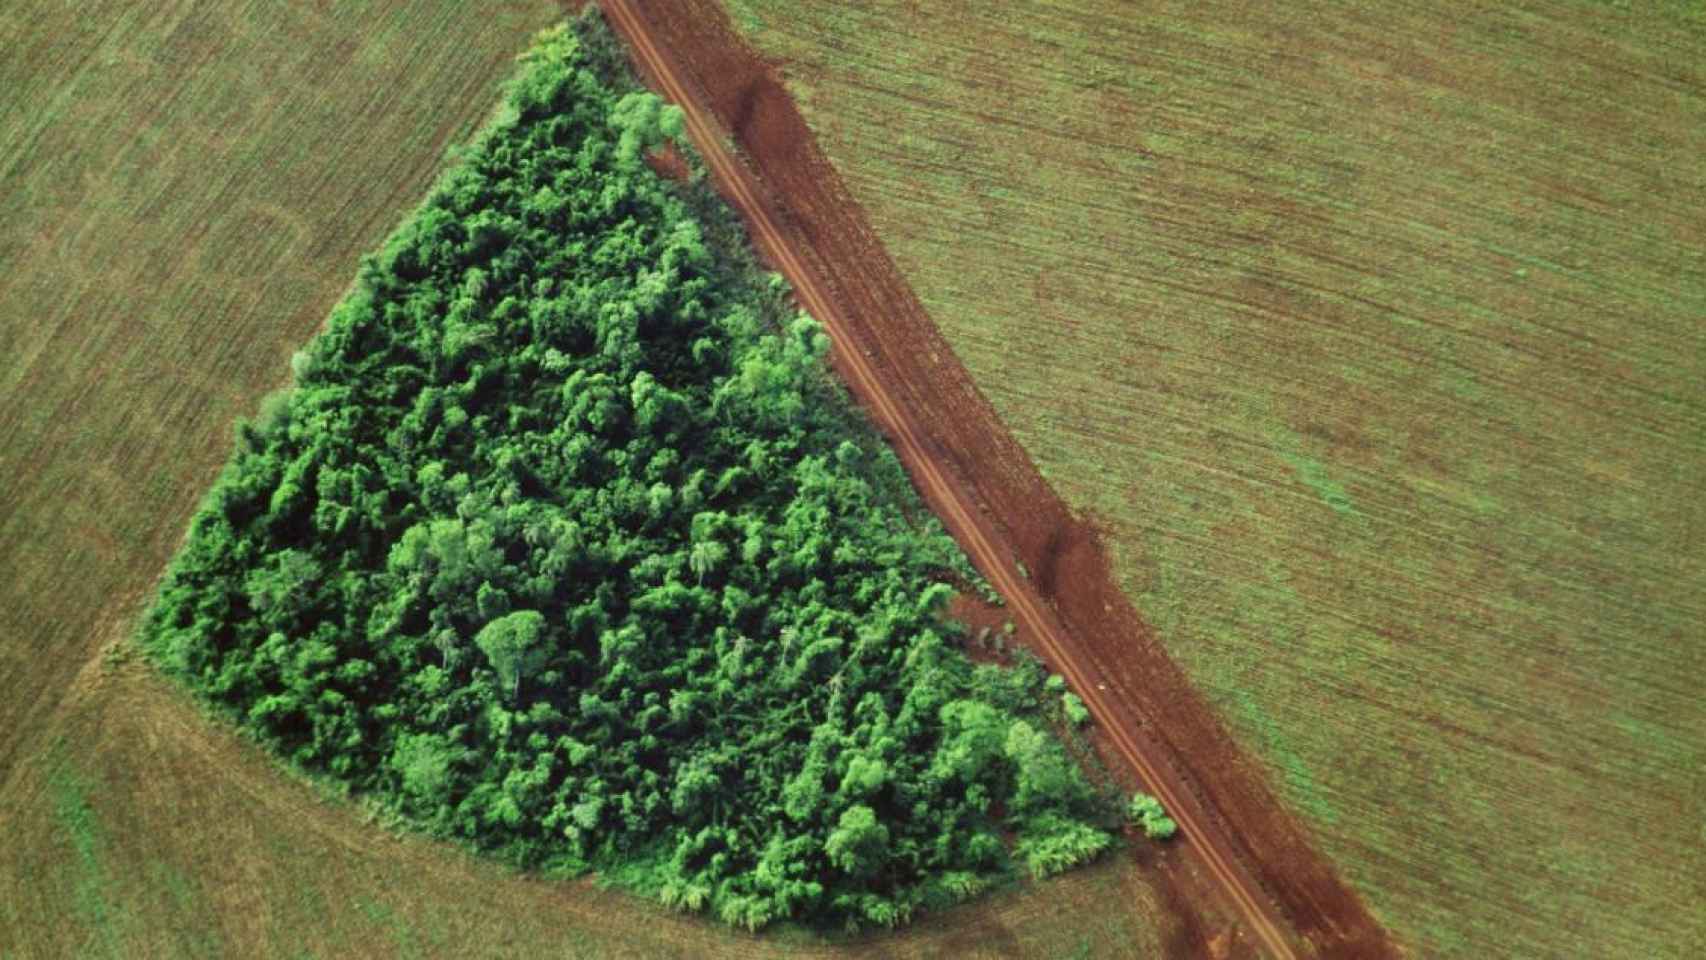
column 565, row 544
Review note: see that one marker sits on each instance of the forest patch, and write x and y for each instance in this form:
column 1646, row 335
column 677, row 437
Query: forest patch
column 565, row 544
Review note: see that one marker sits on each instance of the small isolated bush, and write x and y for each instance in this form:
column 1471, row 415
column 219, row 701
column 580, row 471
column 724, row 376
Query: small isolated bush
column 1147, row 812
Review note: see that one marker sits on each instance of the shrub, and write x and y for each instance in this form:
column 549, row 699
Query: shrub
column 1147, row 813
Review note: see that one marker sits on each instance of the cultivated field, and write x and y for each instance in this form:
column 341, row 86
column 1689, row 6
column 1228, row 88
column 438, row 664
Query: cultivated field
column 188, row 187
column 1375, row 338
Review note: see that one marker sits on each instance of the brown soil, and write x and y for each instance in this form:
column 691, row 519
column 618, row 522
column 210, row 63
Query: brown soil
column 669, row 163
column 1242, row 870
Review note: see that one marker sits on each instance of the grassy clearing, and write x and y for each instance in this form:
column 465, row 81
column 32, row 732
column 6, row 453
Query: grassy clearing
column 186, row 189
column 1374, row 337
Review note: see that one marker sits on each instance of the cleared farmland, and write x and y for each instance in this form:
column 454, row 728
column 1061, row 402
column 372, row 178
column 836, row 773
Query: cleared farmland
column 188, row 186
column 1374, row 337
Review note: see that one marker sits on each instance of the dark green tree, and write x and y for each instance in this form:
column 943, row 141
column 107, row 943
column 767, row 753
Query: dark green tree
column 512, row 646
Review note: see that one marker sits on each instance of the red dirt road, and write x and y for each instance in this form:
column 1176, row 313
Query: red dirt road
column 987, row 493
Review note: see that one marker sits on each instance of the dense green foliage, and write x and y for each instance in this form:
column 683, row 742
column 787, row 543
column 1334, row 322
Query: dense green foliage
column 1148, row 813
column 565, row 545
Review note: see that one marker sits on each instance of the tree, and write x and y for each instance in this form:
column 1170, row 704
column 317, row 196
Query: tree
column 1147, row 812
column 1042, row 774
column 858, row 843
column 449, row 644
column 1051, row 843
column 1076, row 713
column 643, row 120
column 974, row 737
column 423, row 761
column 282, row 587
column 706, row 556
column 510, row 644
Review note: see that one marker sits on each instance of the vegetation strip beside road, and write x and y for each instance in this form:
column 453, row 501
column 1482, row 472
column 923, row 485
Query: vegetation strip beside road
column 961, row 517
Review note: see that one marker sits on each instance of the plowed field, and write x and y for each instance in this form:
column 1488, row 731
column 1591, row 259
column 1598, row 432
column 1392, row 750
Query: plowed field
column 1374, row 340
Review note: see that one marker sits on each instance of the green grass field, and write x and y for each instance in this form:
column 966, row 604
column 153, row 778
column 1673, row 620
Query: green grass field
column 1374, row 336
column 187, row 189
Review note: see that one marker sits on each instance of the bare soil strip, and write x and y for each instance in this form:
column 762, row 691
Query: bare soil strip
column 985, row 489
